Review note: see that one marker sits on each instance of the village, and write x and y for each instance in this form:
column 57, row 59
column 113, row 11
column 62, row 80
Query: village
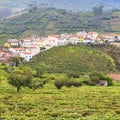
column 29, row 47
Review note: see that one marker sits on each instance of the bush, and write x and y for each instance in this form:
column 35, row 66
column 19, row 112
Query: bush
column 95, row 77
column 70, row 82
column 37, row 83
column 84, row 79
column 109, row 80
column 60, row 82
column 77, row 83
column 94, row 80
column 67, row 82
column 72, row 74
column 73, row 82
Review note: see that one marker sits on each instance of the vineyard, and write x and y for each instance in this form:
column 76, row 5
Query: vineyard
column 49, row 103
column 77, row 59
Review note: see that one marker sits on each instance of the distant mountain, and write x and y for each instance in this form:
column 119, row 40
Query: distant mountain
column 74, row 5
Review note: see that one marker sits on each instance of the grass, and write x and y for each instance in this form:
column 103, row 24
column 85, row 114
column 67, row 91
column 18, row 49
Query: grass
column 84, row 103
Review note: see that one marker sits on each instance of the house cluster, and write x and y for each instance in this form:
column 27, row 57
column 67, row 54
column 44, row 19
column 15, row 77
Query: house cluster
column 5, row 56
column 29, row 47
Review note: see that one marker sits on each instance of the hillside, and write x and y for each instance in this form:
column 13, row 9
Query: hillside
column 42, row 22
column 47, row 21
column 76, row 59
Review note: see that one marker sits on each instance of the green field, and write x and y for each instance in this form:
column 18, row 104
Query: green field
column 49, row 103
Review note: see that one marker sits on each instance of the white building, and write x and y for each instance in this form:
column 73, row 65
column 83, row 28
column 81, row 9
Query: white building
column 92, row 36
column 111, row 37
column 53, row 40
column 26, row 55
column 17, row 50
column 13, row 42
column 82, row 33
column 33, row 50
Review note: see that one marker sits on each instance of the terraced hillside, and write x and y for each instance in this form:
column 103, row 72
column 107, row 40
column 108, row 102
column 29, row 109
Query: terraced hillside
column 45, row 21
column 41, row 22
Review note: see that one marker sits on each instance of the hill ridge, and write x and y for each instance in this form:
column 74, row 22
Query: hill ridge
column 78, row 59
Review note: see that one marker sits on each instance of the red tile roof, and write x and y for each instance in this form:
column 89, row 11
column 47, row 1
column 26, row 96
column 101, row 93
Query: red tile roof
column 52, row 35
column 27, row 53
column 115, row 76
column 19, row 48
column 91, row 33
column 30, row 48
column 7, row 56
column 110, row 34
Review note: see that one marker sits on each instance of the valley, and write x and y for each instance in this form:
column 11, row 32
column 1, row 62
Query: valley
column 59, row 60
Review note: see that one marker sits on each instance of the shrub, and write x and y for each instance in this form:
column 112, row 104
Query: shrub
column 77, row 83
column 70, row 82
column 95, row 77
column 67, row 82
column 72, row 74
column 60, row 82
column 109, row 80
column 37, row 83
column 94, row 80
column 84, row 79
column 73, row 82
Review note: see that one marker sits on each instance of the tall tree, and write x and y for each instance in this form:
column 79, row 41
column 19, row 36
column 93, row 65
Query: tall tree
column 21, row 77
